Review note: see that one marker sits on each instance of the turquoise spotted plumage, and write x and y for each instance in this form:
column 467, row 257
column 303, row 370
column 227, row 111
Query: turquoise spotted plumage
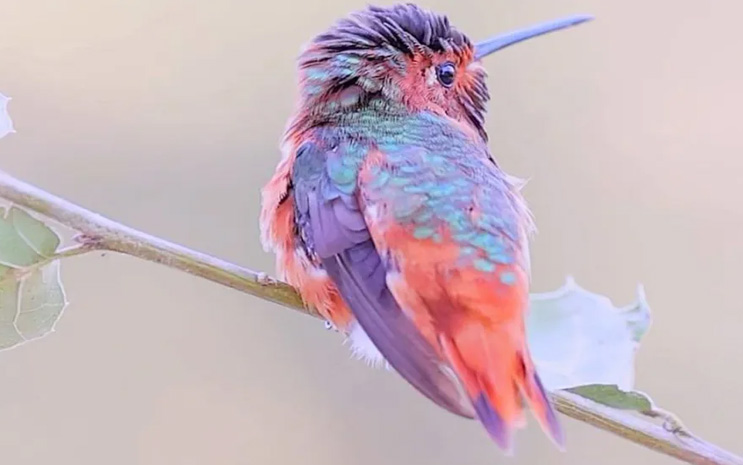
column 436, row 182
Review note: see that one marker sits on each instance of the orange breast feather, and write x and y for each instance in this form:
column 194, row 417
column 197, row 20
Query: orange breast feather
column 293, row 265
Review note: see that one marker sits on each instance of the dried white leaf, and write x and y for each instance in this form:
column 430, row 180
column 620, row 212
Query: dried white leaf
column 580, row 338
column 6, row 124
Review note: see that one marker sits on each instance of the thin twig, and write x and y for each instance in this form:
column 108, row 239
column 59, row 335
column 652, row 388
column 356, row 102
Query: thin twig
column 67, row 252
column 98, row 232
column 681, row 444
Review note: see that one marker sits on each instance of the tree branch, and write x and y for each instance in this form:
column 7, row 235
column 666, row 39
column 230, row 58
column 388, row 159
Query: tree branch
column 100, row 233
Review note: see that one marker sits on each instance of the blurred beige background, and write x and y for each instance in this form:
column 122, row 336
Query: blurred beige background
column 166, row 115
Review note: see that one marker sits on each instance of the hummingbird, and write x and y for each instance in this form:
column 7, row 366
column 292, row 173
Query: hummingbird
column 393, row 220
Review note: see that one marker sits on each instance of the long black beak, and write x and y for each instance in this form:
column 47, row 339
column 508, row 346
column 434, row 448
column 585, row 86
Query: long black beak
column 488, row 46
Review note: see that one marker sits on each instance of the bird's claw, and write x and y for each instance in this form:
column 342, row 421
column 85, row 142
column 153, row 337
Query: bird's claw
column 263, row 279
column 670, row 421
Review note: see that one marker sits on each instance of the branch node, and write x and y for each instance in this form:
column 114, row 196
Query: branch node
column 88, row 239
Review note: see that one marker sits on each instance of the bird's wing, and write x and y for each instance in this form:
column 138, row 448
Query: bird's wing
column 452, row 229
column 332, row 227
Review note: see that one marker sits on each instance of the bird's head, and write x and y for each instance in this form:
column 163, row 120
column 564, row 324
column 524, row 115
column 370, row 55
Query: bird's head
column 403, row 58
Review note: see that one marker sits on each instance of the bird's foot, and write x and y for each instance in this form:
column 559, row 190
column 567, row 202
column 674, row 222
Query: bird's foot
column 263, row 279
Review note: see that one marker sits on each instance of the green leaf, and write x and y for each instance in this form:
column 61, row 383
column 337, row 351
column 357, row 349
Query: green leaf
column 24, row 240
column 32, row 298
column 579, row 338
column 6, row 124
column 34, row 232
column 612, row 396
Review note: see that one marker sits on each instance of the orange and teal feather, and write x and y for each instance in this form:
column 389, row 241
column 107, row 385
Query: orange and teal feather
column 425, row 238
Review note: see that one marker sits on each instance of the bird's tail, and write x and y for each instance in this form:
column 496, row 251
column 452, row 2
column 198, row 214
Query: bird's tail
column 497, row 372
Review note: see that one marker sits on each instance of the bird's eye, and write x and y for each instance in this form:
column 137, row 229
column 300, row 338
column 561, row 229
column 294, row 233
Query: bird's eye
column 446, row 73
